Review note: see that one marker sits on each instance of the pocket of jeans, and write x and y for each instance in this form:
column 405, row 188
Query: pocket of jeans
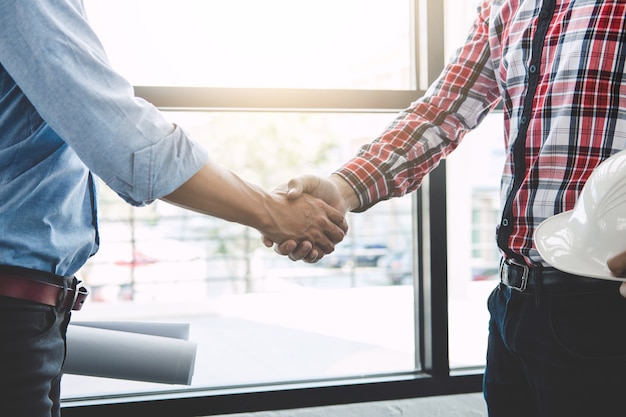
column 24, row 320
column 590, row 324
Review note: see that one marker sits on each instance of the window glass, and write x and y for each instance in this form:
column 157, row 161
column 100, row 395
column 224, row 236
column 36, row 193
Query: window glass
column 473, row 202
column 458, row 18
column 349, row 44
column 257, row 317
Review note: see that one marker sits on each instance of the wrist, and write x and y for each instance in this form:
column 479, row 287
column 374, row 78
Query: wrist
column 346, row 192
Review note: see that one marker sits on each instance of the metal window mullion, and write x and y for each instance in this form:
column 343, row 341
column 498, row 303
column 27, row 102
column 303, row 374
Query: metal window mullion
column 276, row 99
column 434, row 281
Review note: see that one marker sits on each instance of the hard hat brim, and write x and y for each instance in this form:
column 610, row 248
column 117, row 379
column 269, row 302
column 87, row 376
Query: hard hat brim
column 562, row 249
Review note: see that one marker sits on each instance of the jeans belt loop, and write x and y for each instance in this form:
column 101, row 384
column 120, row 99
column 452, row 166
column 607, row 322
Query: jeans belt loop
column 505, row 267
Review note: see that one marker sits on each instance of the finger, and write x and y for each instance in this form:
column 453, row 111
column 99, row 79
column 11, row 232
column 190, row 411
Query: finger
column 267, row 242
column 617, row 265
column 286, row 247
column 314, row 256
column 338, row 219
column 325, row 244
column 622, row 289
column 302, row 251
column 326, row 235
column 334, row 227
column 335, row 233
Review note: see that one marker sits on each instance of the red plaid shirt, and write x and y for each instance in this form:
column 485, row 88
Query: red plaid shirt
column 557, row 67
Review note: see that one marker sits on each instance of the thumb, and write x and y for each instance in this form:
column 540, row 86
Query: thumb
column 302, row 184
column 294, row 189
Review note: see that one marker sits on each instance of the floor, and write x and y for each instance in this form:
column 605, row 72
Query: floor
column 465, row 405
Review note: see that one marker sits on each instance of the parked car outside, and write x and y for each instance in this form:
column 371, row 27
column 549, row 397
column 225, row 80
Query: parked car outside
column 348, row 255
column 485, row 273
column 398, row 267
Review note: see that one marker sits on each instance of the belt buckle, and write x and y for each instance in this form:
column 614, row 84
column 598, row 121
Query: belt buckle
column 80, row 293
column 525, row 274
column 73, row 298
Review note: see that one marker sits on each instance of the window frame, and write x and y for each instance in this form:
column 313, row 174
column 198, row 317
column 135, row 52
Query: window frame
column 432, row 375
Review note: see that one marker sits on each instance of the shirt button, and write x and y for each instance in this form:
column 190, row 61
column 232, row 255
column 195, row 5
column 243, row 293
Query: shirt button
column 523, row 120
column 505, row 222
column 532, row 69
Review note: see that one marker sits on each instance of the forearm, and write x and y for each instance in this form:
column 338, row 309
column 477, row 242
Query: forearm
column 218, row 192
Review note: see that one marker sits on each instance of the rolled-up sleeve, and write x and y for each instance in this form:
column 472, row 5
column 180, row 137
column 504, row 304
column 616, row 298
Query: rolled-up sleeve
column 56, row 59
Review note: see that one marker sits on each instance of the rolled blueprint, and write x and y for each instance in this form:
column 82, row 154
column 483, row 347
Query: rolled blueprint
column 175, row 330
column 118, row 354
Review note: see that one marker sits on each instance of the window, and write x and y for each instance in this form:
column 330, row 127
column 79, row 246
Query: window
column 257, row 317
column 473, row 201
column 348, row 44
column 276, row 89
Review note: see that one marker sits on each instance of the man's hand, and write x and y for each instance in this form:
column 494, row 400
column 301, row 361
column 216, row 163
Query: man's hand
column 333, row 190
column 306, row 223
column 617, row 265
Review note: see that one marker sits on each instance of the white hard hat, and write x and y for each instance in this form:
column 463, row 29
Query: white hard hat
column 581, row 240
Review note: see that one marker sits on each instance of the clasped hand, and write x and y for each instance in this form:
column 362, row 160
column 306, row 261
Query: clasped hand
column 309, row 186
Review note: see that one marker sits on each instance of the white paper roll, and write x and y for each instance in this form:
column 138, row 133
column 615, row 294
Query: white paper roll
column 175, row 330
column 123, row 355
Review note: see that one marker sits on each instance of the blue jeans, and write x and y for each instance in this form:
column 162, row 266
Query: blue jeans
column 557, row 352
column 32, row 351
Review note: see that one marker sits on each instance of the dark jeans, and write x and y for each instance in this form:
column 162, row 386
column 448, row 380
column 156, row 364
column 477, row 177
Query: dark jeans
column 560, row 352
column 32, row 351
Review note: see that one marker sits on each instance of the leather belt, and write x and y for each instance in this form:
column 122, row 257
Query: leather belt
column 42, row 292
column 522, row 277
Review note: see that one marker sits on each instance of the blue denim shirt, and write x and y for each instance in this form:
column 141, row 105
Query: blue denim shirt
column 66, row 116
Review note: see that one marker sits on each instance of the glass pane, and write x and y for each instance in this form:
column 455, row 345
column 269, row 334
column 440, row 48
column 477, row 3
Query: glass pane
column 255, row 316
column 473, row 213
column 458, row 17
column 349, row 44
column 473, row 195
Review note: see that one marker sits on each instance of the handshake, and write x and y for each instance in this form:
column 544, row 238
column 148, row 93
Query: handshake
column 314, row 221
column 303, row 219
